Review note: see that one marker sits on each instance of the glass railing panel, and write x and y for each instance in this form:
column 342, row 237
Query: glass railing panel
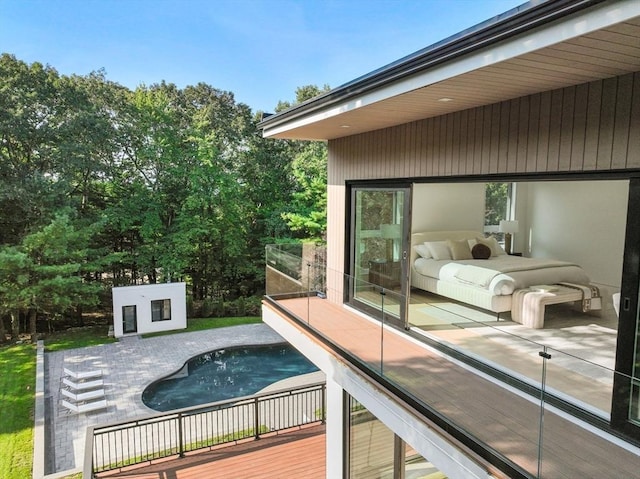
column 480, row 335
column 582, row 377
column 363, row 338
column 512, row 422
column 588, row 347
column 571, row 445
column 284, row 271
column 495, row 414
column 294, row 269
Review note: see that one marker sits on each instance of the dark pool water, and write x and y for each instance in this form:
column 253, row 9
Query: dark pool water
column 226, row 374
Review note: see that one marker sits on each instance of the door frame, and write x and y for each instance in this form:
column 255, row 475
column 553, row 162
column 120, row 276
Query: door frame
column 349, row 267
column 135, row 319
column 628, row 319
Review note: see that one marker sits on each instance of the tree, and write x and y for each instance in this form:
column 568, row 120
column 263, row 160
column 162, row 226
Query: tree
column 57, row 259
column 29, row 115
column 496, row 199
column 303, row 93
column 15, row 272
column 101, row 185
column 307, row 216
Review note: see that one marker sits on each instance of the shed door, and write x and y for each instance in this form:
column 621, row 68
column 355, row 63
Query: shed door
column 129, row 319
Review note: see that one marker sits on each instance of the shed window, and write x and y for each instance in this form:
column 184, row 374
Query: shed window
column 161, row 310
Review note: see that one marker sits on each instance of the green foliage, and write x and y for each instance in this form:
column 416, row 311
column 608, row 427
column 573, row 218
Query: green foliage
column 17, row 396
column 303, row 93
column 102, row 186
column 308, row 214
column 496, row 196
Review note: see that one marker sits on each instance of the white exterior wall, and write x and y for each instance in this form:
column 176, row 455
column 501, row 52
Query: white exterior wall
column 141, row 297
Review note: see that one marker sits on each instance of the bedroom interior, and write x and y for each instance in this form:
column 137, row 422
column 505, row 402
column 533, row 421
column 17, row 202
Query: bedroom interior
column 579, row 222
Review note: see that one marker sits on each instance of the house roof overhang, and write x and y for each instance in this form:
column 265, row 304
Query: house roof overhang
column 539, row 46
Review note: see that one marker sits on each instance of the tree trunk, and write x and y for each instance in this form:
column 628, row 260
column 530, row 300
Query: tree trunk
column 15, row 325
column 3, row 332
column 32, row 326
column 79, row 316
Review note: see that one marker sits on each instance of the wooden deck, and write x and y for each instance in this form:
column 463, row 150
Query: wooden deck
column 299, row 453
column 504, row 420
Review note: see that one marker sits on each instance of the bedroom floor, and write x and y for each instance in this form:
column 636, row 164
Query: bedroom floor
column 581, row 345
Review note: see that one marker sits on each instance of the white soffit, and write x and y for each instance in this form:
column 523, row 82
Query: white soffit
column 600, row 42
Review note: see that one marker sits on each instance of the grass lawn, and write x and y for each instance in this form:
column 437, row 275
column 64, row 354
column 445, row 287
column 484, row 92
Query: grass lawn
column 199, row 324
column 17, row 382
column 18, row 377
column 77, row 338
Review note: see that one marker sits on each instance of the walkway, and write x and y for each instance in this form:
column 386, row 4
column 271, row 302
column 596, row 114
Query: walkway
column 128, row 367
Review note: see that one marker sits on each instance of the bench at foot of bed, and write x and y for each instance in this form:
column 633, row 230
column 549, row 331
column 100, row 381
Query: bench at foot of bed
column 528, row 305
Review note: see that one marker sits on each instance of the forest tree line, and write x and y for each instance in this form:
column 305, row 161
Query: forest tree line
column 102, row 186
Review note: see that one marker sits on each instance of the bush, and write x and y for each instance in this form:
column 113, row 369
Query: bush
column 214, row 308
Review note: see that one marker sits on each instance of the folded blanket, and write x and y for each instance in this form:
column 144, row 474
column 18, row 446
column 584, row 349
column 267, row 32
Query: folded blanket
column 482, row 277
column 475, row 275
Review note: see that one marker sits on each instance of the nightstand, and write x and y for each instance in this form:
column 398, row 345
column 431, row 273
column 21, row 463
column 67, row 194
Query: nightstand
column 515, row 254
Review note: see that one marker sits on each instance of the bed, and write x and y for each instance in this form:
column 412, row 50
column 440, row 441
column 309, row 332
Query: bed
column 486, row 283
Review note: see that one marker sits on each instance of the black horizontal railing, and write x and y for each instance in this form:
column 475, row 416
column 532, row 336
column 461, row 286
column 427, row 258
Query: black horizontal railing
column 118, row 445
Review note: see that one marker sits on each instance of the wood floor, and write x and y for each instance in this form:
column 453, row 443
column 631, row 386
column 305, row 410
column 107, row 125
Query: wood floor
column 296, row 454
column 507, row 422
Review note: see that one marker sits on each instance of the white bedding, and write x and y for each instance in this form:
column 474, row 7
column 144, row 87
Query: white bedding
column 503, row 274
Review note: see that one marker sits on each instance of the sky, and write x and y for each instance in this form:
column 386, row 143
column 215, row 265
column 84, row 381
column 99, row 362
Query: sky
column 261, row 50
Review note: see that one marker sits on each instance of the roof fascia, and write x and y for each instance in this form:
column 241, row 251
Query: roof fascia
column 521, row 33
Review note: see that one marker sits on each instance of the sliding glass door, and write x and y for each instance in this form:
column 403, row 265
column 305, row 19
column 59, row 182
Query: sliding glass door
column 378, row 249
column 625, row 410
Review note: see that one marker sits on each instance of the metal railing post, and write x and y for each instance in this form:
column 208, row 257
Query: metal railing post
column 323, row 392
column 308, row 293
column 382, row 295
column 256, row 419
column 180, row 436
column 545, row 357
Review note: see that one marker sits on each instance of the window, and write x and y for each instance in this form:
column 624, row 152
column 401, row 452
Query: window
column 497, row 205
column 161, row 310
column 375, row 451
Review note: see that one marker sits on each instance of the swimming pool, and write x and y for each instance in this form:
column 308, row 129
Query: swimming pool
column 226, row 374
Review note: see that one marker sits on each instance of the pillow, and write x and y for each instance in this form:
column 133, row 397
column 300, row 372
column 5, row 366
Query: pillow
column 439, row 249
column 480, row 251
column 423, row 251
column 459, row 249
column 493, row 244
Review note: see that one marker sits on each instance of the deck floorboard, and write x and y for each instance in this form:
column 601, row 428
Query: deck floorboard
column 299, row 453
column 504, row 420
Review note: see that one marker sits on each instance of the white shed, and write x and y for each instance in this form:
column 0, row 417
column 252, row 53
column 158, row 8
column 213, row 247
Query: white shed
column 149, row 308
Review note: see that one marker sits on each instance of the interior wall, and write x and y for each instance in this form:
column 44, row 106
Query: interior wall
column 448, row 207
column 579, row 221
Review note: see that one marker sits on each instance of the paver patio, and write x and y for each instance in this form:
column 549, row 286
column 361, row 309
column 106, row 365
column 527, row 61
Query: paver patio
column 128, row 367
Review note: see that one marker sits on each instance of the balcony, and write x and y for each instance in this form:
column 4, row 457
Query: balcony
column 516, row 397
column 220, row 432
column 277, row 455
